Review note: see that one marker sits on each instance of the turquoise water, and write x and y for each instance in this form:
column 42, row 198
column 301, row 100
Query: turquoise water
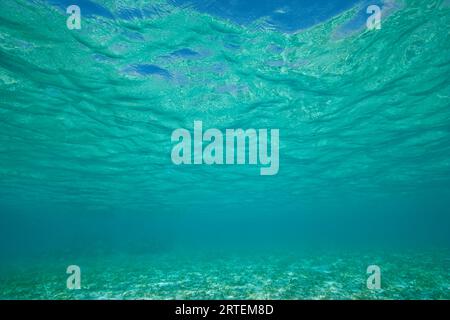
column 86, row 176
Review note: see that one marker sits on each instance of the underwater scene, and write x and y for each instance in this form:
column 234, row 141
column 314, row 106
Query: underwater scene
column 224, row 149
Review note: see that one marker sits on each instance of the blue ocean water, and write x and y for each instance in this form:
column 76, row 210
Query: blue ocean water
column 86, row 175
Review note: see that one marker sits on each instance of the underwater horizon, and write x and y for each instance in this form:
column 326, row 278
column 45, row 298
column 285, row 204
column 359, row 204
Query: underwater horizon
column 356, row 171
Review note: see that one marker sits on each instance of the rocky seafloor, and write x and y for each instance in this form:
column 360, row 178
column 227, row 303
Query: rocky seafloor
column 409, row 275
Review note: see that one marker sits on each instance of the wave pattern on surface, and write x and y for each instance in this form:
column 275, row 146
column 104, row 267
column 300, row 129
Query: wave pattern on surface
column 86, row 115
